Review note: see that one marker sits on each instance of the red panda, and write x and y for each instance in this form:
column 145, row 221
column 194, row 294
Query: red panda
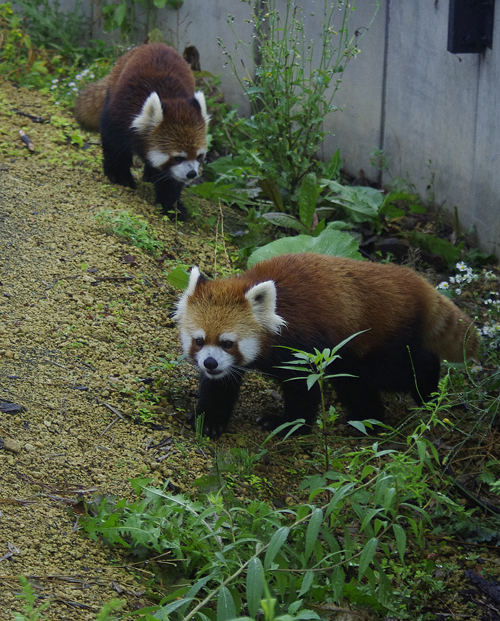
column 308, row 301
column 148, row 106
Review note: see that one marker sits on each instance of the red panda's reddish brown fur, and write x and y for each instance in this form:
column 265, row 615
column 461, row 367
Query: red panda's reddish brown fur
column 148, row 106
column 318, row 302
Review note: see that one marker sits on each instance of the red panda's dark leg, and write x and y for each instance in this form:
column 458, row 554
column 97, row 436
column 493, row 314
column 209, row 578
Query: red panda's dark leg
column 299, row 403
column 426, row 377
column 168, row 192
column 359, row 399
column 117, row 152
column 216, row 400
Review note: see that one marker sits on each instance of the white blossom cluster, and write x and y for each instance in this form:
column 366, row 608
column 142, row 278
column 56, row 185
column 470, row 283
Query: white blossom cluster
column 465, row 277
column 85, row 75
column 490, row 332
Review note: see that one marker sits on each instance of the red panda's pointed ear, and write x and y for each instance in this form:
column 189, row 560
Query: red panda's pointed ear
column 262, row 299
column 194, row 278
column 199, row 102
column 150, row 116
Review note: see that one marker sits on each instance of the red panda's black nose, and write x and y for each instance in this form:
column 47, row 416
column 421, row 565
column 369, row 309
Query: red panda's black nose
column 191, row 174
column 210, row 363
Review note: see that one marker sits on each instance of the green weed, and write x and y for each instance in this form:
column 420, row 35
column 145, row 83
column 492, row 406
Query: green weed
column 134, row 228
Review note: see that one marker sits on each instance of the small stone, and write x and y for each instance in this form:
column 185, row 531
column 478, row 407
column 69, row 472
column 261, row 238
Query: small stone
column 12, row 445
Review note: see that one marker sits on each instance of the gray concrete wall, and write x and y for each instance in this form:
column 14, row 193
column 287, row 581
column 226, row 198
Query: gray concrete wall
column 431, row 112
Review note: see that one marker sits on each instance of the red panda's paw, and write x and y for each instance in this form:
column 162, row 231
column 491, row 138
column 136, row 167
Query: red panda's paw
column 270, row 423
column 210, row 429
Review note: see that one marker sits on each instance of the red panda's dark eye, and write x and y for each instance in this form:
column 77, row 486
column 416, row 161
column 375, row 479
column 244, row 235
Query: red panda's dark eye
column 227, row 344
column 199, row 342
column 178, row 159
column 201, row 158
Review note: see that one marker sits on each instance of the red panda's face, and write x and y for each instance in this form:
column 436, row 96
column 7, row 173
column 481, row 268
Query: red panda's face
column 222, row 326
column 174, row 133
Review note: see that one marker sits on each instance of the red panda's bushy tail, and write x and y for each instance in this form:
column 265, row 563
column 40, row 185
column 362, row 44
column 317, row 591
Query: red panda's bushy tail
column 89, row 104
column 449, row 331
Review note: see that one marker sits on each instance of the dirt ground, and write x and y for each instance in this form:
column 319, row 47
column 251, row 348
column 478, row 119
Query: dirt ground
column 84, row 320
column 86, row 403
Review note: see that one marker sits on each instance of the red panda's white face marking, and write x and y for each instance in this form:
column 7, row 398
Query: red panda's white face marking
column 186, row 170
column 222, row 329
column 175, row 136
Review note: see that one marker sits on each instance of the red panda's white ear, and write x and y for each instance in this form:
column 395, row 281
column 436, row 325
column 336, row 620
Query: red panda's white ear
column 150, row 116
column 200, row 98
column 180, row 311
column 262, row 299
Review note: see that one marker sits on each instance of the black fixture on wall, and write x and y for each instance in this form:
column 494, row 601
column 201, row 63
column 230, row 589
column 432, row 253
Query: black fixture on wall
column 470, row 26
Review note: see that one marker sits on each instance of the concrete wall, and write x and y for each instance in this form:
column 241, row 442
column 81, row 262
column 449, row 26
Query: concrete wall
column 432, row 112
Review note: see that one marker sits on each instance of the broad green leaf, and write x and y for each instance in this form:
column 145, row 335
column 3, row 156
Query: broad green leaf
column 178, row 278
column 254, row 586
column 330, row 241
column 277, row 540
column 367, row 556
column 442, row 247
column 285, row 220
column 313, row 531
column 307, row 200
column 226, row 609
column 357, row 424
column 120, row 14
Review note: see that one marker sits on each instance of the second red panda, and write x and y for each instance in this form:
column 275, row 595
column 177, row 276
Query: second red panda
column 148, row 106
column 308, row 301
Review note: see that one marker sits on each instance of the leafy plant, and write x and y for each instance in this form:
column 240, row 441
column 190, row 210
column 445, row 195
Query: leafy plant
column 54, row 29
column 291, row 93
column 132, row 227
column 124, row 15
column 30, row 613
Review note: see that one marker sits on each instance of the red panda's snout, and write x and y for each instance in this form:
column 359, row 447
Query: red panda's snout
column 219, row 356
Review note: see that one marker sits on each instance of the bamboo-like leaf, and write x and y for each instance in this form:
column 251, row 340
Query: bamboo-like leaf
column 226, row 609
column 272, row 191
column 254, row 586
column 367, row 556
column 338, row 581
column 313, row 531
column 285, row 220
column 400, row 535
column 307, row 200
column 277, row 540
column 307, row 581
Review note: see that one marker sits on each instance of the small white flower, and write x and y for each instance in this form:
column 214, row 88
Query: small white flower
column 91, row 76
column 461, row 266
column 71, row 84
column 452, row 279
column 476, row 368
column 489, row 275
column 458, row 291
column 55, row 81
column 78, row 77
column 443, row 285
column 75, row 90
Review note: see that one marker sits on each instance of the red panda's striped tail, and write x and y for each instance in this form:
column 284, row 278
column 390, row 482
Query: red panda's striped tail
column 89, row 104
